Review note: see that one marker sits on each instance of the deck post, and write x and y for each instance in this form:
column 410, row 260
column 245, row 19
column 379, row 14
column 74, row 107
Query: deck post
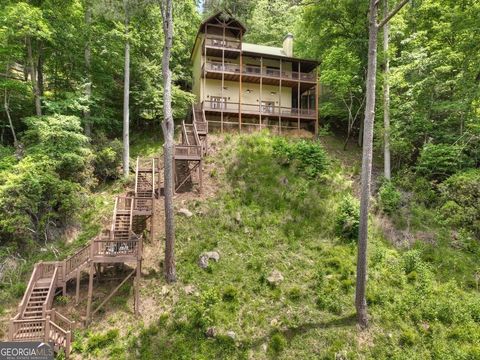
column 47, row 328
column 261, row 91
column 280, row 99
column 298, row 97
column 200, row 174
column 137, row 288
column 77, row 288
column 90, row 292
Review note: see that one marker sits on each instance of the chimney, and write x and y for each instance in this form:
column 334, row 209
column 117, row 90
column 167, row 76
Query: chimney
column 288, row 45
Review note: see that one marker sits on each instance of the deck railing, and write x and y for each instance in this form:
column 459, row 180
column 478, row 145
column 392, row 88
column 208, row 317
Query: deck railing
column 254, row 70
column 226, row 43
column 265, row 109
column 188, row 151
column 107, row 247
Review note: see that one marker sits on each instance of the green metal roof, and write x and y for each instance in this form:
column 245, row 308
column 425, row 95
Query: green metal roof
column 263, row 49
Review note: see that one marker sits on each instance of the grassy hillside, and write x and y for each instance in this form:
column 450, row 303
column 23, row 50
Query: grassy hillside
column 286, row 206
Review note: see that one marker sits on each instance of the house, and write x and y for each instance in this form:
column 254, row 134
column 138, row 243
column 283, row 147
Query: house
column 247, row 86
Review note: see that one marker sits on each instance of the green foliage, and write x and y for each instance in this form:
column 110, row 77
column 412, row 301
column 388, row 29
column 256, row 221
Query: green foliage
column 460, row 196
column 35, row 199
column 389, row 198
column 277, row 343
column 97, row 341
column 438, row 161
column 108, row 157
column 61, row 139
column 347, row 219
column 306, row 156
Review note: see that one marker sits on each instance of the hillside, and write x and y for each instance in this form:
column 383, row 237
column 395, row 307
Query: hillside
column 286, row 207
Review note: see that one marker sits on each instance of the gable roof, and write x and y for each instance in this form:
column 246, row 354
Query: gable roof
column 222, row 17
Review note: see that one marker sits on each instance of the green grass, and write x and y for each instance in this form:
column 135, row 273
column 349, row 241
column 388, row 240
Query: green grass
column 273, row 216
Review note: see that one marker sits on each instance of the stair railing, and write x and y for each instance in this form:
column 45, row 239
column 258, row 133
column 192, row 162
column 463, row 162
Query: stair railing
column 51, row 293
column 31, row 284
column 184, row 133
column 153, row 177
column 136, row 175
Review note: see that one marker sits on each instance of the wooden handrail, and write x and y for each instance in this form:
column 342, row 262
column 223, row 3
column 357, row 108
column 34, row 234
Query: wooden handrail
column 114, row 215
column 184, row 133
column 136, row 174
column 153, row 177
column 51, row 290
column 29, row 289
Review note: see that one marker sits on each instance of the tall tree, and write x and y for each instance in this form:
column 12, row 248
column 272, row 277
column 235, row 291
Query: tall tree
column 386, row 97
column 168, row 131
column 88, row 77
column 361, row 285
column 126, row 95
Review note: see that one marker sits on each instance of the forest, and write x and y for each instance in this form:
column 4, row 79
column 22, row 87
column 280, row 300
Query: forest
column 82, row 95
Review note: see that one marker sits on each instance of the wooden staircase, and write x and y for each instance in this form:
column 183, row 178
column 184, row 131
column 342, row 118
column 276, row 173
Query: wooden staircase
column 188, row 155
column 36, row 320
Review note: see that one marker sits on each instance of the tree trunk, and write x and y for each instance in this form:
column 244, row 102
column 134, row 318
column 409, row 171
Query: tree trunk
column 386, row 97
column 33, row 76
column 87, row 54
column 168, row 129
column 7, row 111
column 360, row 299
column 126, row 99
column 41, row 54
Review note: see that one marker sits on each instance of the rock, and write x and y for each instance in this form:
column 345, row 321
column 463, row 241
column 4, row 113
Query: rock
column 211, row 332
column 264, row 347
column 238, row 217
column 203, row 259
column 165, row 290
column 214, row 255
column 275, row 278
column 231, row 335
column 283, row 181
column 189, row 289
column 185, row 212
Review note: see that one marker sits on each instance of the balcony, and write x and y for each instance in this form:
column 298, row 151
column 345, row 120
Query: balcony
column 256, row 109
column 250, row 73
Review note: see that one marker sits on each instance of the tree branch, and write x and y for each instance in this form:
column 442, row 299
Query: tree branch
column 392, row 13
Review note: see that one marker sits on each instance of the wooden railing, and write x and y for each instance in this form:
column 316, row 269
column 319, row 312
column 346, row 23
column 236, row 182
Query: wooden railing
column 109, row 248
column 188, row 151
column 51, row 292
column 265, row 109
column 31, row 284
column 219, row 42
column 255, row 70
column 76, row 260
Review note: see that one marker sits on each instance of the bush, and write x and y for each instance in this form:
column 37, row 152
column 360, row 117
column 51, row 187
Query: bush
column 459, row 195
column 61, row 139
column 347, row 221
column 98, row 341
column 388, row 198
column 307, row 156
column 108, row 157
column 278, row 343
column 36, row 199
column 439, row 161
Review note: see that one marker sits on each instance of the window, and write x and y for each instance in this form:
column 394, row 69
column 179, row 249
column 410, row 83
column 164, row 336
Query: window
column 218, row 102
column 268, row 107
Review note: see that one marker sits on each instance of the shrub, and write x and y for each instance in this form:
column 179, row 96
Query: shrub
column 230, row 293
column 347, row 220
column 388, row 198
column 439, row 161
column 108, row 157
column 307, row 156
column 278, row 343
column 98, row 341
column 35, row 199
column 460, row 194
column 61, row 139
